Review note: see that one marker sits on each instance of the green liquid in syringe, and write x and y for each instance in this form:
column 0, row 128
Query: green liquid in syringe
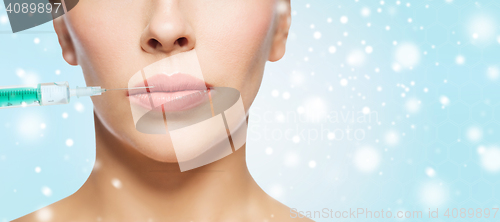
column 18, row 96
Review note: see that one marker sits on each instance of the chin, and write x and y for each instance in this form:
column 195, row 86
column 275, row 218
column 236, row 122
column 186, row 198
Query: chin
column 189, row 153
column 155, row 147
column 163, row 156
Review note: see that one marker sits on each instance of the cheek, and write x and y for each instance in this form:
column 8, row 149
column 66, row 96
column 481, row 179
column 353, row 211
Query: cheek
column 239, row 31
column 235, row 43
column 108, row 51
column 101, row 52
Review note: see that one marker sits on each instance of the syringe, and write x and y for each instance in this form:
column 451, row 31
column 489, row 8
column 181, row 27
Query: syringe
column 46, row 94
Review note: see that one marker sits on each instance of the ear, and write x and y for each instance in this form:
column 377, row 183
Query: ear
column 68, row 49
column 283, row 23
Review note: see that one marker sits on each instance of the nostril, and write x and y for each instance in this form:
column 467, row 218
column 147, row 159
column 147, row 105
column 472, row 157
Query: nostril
column 153, row 43
column 182, row 41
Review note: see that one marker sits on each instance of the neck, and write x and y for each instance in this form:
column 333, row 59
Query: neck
column 125, row 182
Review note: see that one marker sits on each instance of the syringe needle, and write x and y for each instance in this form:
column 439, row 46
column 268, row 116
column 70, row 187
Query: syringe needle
column 146, row 87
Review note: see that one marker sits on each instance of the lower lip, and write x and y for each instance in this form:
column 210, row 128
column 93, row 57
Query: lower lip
column 171, row 101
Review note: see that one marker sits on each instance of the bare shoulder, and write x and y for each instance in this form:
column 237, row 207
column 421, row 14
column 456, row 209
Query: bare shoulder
column 68, row 209
column 290, row 214
column 48, row 213
column 280, row 212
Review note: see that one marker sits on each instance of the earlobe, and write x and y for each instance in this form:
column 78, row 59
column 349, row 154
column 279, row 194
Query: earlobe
column 70, row 58
column 277, row 51
column 278, row 47
column 68, row 49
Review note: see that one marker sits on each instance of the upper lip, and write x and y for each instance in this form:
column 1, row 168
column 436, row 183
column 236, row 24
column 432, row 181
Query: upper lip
column 170, row 83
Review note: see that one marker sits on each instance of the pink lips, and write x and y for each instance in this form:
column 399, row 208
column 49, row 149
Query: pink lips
column 177, row 92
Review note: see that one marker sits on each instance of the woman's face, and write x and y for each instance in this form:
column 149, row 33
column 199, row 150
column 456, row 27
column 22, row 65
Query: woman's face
column 113, row 40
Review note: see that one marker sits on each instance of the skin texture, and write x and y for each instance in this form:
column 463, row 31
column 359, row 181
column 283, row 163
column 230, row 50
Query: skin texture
column 111, row 40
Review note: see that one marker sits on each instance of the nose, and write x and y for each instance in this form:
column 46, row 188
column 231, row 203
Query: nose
column 168, row 31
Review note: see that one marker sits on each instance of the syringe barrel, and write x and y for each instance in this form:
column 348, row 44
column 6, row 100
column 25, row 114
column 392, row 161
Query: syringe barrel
column 44, row 94
column 56, row 93
column 19, row 96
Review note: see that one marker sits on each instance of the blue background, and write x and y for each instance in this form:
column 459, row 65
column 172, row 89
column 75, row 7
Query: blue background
column 420, row 78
